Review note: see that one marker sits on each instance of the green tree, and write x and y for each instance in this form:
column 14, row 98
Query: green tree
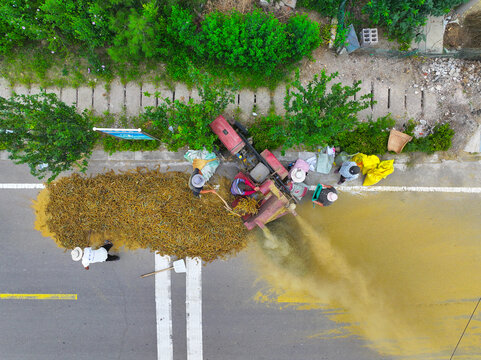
column 178, row 124
column 40, row 129
column 314, row 116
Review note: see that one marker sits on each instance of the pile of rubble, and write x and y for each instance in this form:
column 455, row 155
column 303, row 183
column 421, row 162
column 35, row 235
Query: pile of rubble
column 441, row 74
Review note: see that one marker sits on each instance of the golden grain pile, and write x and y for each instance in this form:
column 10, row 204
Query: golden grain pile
column 141, row 208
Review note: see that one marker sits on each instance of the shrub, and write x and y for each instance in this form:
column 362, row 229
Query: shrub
column 179, row 124
column 141, row 35
column 367, row 137
column 112, row 145
column 314, row 116
column 181, row 28
column 40, row 129
column 83, row 21
column 268, row 132
column 303, row 35
column 256, row 41
column 439, row 140
column 18, row 23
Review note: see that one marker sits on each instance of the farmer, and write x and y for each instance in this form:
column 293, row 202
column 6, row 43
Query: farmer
column 324, row 195
column 243, row 187
column 196, row 182
column 89, row 256
column 349, row 171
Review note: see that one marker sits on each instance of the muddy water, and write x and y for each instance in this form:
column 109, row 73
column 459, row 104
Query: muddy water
column 401, row 271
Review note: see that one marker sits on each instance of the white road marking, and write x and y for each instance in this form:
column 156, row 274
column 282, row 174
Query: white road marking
column 470, row 190
column 21, row 186
column 193, row 303
column 163, row 309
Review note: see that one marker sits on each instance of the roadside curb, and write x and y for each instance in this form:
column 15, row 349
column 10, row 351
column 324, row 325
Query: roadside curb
column 178, row 156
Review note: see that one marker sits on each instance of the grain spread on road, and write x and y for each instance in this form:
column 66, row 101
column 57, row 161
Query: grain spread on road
column 140, row 208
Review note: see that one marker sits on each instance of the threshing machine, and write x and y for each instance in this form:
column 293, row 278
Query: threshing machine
column 263, row 169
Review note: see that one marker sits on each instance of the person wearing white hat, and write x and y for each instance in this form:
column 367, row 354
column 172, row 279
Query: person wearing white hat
column 324, row 195
column 196, row 182
column 297, row 175
column 89, row 255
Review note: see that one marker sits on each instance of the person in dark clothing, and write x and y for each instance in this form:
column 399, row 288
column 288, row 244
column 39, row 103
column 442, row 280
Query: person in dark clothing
column 324, row 196
column 196, row 182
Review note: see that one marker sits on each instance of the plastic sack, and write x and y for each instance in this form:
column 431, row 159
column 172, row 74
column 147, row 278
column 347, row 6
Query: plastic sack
column 325, row 159
column 383, row 169
column 312, row 163
column 366, row 162
column 210, row 168
column 342, row 157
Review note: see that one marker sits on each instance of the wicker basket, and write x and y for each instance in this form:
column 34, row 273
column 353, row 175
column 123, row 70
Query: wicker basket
column 397, row 141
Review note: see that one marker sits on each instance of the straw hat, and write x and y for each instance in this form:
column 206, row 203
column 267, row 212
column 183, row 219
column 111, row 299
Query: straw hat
column 332, row 196
column 298, row 175
column 198, row 181
column 76, row 254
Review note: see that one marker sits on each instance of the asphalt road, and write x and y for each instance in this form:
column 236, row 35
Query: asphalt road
column 114, row 314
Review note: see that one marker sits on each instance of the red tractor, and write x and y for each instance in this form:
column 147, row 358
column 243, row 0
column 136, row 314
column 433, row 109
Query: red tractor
column 262, row 169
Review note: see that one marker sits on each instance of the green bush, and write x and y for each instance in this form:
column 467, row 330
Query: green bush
column 367, row 137
column 256, row 41
column 403, row 19
column 139, row 36
column 18, row 23
column 112, row 145
column 84, row 21
column 181, row 28
column 268, row 132
column 303, row 35
column 439, row 140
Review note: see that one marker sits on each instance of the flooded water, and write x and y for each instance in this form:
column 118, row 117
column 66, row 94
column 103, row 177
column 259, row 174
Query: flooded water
column 401, row 271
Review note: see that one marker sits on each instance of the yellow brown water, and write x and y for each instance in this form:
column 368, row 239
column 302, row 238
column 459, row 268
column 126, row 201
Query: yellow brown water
column 402, row 271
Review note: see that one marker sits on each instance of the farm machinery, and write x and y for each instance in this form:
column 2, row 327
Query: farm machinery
column 262, row 169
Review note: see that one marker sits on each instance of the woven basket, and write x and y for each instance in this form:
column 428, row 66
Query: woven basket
column 397, row 141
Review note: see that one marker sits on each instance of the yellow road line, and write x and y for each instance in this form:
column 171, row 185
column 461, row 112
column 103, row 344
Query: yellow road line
column 39, row 296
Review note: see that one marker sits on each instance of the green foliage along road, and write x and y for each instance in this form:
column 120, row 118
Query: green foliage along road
column 112, row 34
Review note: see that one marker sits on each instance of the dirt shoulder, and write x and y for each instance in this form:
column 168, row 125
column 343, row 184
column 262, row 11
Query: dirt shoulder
column 450, row 88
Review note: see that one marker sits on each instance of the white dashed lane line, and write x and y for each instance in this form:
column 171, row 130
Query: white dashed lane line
column 163, row 309
column 193, row 303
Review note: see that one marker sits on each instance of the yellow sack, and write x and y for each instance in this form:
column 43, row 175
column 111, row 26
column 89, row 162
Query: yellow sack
column 383, row 169
column 366, row 162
